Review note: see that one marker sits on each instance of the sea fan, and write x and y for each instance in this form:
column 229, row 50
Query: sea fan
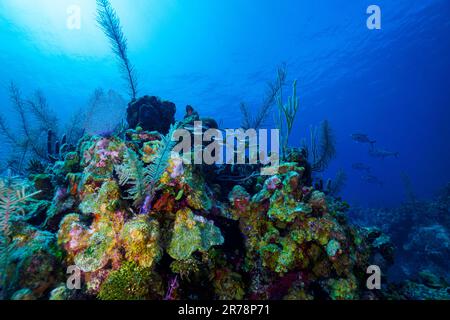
column 81, row 119
column 109, row 21
column 102, row 112
column 131, row 172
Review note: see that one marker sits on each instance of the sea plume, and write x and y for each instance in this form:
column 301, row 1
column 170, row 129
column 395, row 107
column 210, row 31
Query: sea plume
column 286, row 115
column 109, row 21
column 25, row 131
column 44, row 115
column 273, row 90
column 335, row 186
column 143, row 181
column 131, row 172
column 322, row 148
column 13, row 196
column 155, row 170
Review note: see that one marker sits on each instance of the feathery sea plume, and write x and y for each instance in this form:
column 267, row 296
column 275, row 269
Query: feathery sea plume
column 131, row 172
column 322, row 146
column 109, row 21
column 31, row 119
column 273, row 90
column 13, row 196
column 335, row 186
column 154, row 171
column 44, row 115
column 142, row 180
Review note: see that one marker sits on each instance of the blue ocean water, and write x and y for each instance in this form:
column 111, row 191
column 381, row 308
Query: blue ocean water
column 391, row 84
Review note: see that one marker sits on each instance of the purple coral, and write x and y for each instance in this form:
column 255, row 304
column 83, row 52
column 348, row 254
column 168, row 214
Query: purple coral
column 104, row 154
column 147, row 206
column 177, row 169
column 273, row 183
column 173, row 286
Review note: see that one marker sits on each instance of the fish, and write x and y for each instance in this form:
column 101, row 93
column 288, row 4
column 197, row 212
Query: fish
column 372, row 180
column 362, row 138
column 191, row 128
column 379, row 153
column 359, row 166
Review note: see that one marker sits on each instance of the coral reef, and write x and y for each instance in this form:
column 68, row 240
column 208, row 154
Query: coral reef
column 33, row 262
column 13, row 198
column 295, row 231
column 131, row 282
column 426, row 286
column 133, row 220
column 420, row 230
column 140, row 224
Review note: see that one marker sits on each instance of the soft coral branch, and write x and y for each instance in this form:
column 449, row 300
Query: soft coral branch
column 110, row 23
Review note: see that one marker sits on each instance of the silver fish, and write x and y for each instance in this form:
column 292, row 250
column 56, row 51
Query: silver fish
column 372, row 180
column 360, row 167
column 378, row 153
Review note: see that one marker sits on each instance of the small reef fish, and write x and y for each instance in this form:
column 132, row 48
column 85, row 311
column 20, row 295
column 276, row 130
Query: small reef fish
column 372, row 180
column 362, row 138
column 378, row 153
column 199, row 132
column 359, row 166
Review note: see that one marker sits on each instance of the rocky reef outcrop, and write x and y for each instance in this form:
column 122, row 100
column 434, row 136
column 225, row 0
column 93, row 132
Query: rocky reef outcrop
column 151, row 114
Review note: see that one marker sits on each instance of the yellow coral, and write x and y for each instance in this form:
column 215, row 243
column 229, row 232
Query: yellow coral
column 140, row 238
column 165, row 178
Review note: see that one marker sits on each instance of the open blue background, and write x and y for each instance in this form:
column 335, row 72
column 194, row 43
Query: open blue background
column 392, row 84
